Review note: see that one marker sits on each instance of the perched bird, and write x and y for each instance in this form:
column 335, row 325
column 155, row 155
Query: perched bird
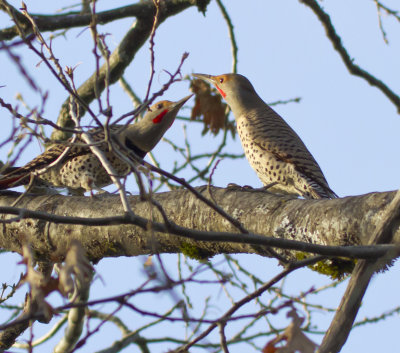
column 274, row 150
column 80, row 169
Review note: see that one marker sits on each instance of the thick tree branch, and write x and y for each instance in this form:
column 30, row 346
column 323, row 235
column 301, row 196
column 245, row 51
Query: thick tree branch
column 47, row 23
column 277, row 221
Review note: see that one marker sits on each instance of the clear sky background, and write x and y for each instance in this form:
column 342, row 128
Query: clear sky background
column 351, row 128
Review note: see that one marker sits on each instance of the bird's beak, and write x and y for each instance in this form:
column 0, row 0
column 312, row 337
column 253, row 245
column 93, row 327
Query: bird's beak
column 204, row 77
column 181, row 102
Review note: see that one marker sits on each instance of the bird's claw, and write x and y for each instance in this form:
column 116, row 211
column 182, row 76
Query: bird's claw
column 233, row 186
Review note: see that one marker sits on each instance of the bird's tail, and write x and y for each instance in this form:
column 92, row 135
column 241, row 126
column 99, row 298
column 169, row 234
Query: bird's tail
column 11, row 181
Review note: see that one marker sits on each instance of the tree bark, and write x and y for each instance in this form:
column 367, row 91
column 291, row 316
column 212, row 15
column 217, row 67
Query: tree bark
column 339, row 222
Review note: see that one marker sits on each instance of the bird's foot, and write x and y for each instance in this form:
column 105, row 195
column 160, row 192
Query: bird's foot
column 265, row 188
column 99, row 193
column 233, row 186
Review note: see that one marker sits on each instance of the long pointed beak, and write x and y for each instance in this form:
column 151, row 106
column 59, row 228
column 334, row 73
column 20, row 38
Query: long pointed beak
column 205, row 77
column 181, row 102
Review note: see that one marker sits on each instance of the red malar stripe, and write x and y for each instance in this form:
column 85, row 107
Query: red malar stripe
column 160, row 116
column 223, row 94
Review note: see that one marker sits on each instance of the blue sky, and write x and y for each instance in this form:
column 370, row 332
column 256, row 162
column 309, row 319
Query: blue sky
column 350, row 127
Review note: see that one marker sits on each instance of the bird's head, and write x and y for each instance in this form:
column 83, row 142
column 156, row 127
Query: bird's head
column 146, row 133
column 164, row 113
column 233, row 87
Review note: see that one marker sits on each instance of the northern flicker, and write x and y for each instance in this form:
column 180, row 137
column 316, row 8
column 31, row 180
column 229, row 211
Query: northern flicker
column 80, row 169
column 274, row 150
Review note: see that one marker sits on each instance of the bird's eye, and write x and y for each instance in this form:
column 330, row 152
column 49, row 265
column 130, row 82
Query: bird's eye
column 221, row 80
column 159, row 106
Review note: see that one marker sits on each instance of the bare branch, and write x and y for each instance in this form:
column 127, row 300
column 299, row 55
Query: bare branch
column 348, row 61
column 120, row 58
column 232, row 36
column 342, row 323
column 45, row 337
column 249, row 298
column 76, row 19
column 152, row 56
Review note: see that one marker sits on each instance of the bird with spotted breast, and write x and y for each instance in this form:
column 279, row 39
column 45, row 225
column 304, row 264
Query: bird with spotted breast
column 80, row 170
column 274, row 150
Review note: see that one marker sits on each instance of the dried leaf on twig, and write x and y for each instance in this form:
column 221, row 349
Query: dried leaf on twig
column 40, row 286
column 208, row 104
column 296, row 340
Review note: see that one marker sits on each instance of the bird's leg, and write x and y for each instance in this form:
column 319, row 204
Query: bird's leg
column 76, row 192
column 268, row 186
column 99, row 191
column 92, row 187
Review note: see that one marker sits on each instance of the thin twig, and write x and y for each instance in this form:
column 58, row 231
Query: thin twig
column 104, row 162
column 232, row 37
column 131, row 93
column 152, row 56
column 249, row 298
column 223, row 337
column 378, row 7
column 348, row 61
column 45, row 337
column 172, row 79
